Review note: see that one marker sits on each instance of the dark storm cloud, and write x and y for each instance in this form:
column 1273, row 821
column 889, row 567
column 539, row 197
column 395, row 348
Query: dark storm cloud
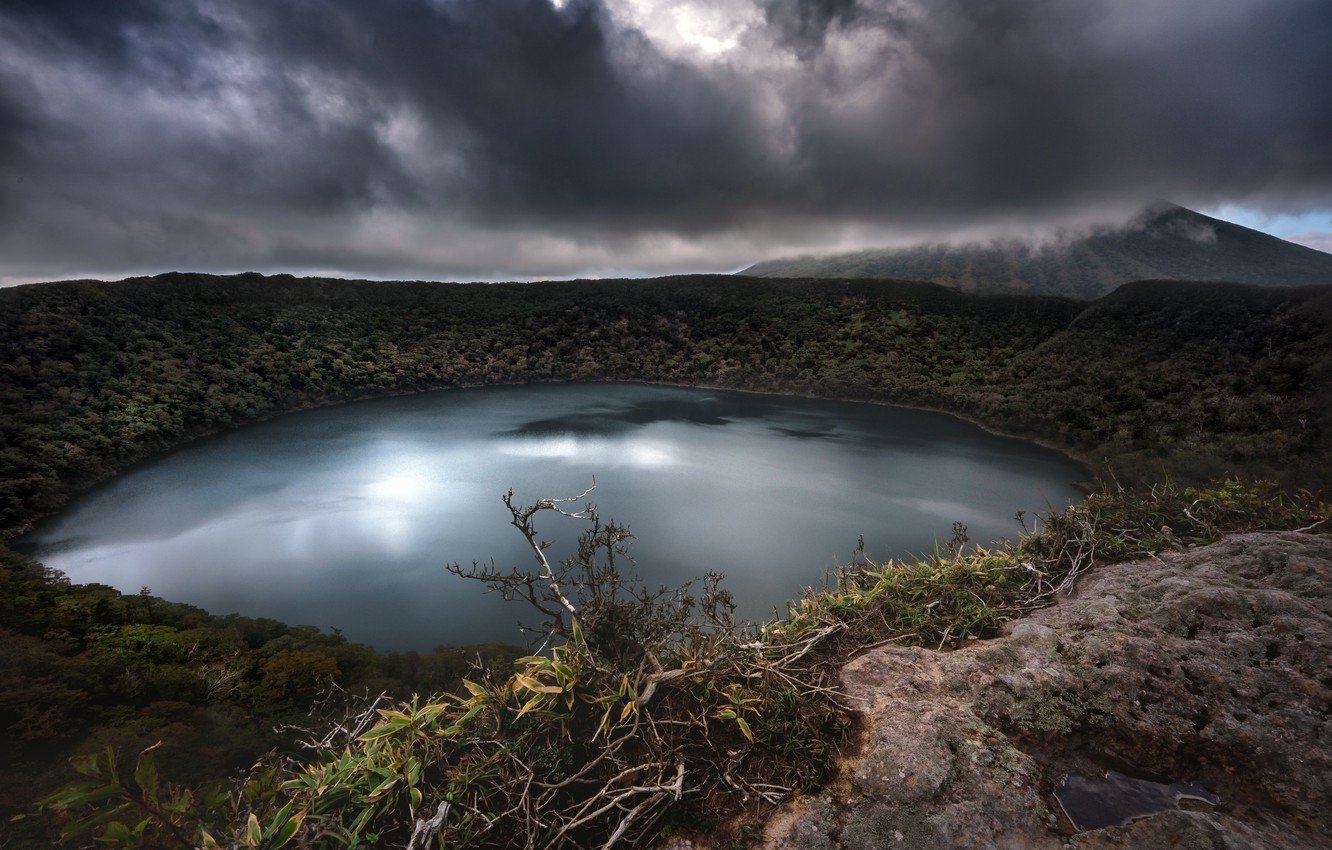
column 803, row 24
column 1044, row 103
column 547, row 119
column 460, row 137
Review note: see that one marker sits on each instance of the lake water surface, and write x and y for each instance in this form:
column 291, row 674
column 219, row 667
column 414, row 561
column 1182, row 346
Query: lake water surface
column 345, row 516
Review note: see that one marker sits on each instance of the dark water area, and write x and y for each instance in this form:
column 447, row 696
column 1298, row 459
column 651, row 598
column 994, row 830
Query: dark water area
column 1096, row 802
column 345, row 516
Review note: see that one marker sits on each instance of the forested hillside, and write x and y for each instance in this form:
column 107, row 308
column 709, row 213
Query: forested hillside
column 84, row 667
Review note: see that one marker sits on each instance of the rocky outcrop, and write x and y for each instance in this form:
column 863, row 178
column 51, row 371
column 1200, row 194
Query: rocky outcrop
column 1209, row 666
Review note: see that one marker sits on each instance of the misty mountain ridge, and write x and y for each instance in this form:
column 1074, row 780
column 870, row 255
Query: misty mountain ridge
column 1164, row 242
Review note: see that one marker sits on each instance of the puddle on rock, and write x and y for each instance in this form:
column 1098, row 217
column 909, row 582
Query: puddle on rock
column 1094, row 803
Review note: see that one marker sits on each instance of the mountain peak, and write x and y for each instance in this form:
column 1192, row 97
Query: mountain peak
column 1165, row 241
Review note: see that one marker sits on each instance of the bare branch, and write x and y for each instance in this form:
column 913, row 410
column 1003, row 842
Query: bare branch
column 522, row 520
column 424, row 831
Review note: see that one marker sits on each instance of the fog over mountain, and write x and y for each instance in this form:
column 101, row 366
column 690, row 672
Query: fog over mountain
column 502, row 138
column 1164, row 242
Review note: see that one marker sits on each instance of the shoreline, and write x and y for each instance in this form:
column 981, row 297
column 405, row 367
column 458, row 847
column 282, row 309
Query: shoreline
column 1069, row 453
column 79, row 489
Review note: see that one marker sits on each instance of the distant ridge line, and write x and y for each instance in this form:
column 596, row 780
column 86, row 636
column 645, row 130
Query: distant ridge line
column 1164, row 242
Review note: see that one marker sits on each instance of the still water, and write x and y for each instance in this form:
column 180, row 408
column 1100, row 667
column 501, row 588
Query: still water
column 345, row 517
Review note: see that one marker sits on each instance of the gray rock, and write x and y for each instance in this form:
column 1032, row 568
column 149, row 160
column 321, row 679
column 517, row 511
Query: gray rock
column 1209, row 665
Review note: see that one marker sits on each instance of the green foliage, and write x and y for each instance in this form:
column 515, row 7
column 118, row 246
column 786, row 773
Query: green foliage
column 83, row 667
column 574, row 748
column 956, row 595
column 131, row 813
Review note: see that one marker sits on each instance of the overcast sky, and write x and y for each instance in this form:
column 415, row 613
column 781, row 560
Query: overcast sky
column 486, row 139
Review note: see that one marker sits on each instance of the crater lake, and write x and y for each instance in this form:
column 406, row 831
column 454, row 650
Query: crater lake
column 345, row 517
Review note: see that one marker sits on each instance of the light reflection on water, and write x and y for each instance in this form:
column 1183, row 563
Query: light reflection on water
column 345, row 516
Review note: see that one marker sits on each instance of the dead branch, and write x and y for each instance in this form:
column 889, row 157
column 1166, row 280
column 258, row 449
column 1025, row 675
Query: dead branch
column 425, row 830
